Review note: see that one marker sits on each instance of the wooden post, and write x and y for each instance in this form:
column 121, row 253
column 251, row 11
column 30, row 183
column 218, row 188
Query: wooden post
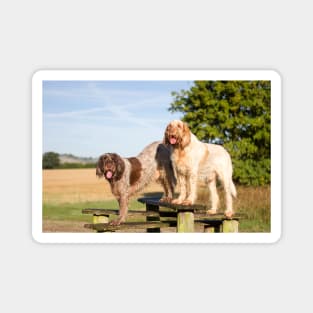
column 209, row 229
column 185, row 222
column 230, row 226
column 97, row 219
column 215, row 227
column 100, row 219
column 153, row 208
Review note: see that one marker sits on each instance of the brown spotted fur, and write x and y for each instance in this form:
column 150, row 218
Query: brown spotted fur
column 131, row 175
column 135, row 171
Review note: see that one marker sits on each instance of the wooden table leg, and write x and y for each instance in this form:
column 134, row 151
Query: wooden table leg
column 98, row 219
column 185, row 222
column 230, row 226
column 153, row 208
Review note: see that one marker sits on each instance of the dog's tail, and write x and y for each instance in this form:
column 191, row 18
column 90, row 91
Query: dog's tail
column 233, row 189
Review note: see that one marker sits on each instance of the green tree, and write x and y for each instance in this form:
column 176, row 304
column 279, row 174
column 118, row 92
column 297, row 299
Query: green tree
column 235, row 114
column 50, row 160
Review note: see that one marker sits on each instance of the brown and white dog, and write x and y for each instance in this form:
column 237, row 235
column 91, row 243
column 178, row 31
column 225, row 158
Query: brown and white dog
column 130, row 175
column 194, row 160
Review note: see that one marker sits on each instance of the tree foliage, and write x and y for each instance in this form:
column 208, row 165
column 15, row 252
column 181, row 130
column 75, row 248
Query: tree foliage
column 50, row 160
column 235, row 114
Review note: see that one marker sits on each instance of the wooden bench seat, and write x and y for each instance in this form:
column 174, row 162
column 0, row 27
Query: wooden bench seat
column 159, row 215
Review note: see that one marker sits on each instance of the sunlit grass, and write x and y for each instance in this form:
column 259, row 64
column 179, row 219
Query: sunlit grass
column 253, row 202
column 67, row 192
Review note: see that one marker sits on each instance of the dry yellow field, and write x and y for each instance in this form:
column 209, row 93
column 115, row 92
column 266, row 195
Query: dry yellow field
column 66, row 189
column 82, row 185
column 79, row 185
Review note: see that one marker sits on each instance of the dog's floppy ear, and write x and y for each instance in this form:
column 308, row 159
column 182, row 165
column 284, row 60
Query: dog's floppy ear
column 165, row 138
column 100, row 165
column 186, row 136
column 119, row 165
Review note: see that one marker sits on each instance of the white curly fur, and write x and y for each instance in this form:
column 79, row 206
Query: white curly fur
column 194, row 160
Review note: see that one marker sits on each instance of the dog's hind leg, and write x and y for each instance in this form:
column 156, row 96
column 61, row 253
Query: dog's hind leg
column 229, row 203
column 214, row 196
column 230, row 191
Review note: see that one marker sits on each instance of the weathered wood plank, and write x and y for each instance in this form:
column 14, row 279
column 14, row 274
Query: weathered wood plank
column 133, row 213
column 185, row 222
column 230, row 226
column 211, row 218
column 156, row 218
column 156, row 202
column 96, row 219
column 199, row 216
column 209, row 229
column 198, row 209
column 161, row 214
column 127, row 226
column 100, row 211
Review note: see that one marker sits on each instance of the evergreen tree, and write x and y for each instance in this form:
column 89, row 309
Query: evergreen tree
column 235, row 114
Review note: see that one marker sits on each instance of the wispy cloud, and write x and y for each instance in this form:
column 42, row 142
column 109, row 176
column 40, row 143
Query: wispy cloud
column 79, row 116
column 75, row 113
column 117, row 114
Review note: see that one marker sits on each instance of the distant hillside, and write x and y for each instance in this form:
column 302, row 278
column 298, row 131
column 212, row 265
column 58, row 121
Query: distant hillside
column 70, row 158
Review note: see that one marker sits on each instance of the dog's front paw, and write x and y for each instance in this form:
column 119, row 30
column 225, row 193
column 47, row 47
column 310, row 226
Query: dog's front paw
column 166, row 199
column 118, row 221
column 211, row 211
column 177, row 201
column 229, row 213
column 187, row 202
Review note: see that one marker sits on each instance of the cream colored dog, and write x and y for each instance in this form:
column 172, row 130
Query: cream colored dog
column 194, row 160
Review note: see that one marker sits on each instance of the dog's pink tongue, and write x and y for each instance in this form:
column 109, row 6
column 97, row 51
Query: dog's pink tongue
column 173, row 140
column 109, row 174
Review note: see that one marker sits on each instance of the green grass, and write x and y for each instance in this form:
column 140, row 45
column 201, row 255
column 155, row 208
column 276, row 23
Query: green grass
column 73, row 211
column 253, row 202
column 256, row 220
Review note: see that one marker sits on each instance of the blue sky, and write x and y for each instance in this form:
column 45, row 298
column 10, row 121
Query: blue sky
column 89, row 118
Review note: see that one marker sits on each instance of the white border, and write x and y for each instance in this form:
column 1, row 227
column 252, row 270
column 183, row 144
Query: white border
column 110, row 75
